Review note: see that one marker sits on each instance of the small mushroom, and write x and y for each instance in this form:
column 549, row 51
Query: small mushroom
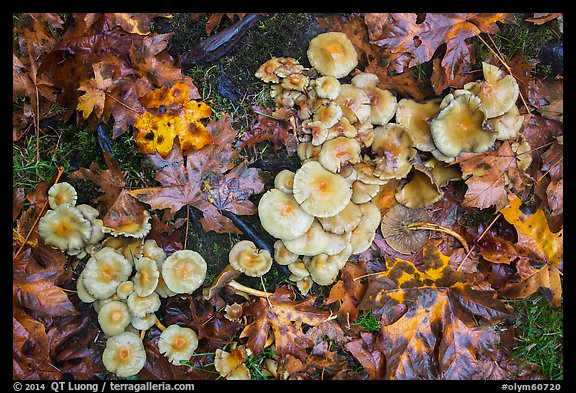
column 144, row 323
column 65, row 228
column 82, row 292
column 304, row 285
column 62, row 193
column 140, row 306
column 104, row 271
column 297, row 82
column 231, row 365
column 322, row 270
column 329, row 114
column 497, row 93
column 281, row 215
column 394, row 150
column 282, row 255
column 146, row 277
column 132, row 228
column 288, row 66
column 507, row 125
column 113, row 317
column 152, row 250
column 266, row 71
column 320, row 192
column 317, row 130
column 365, row 79
column 365, row 133
column 312, row 242
column 362, row 235
column 184, row 271
column 383, row 103
column 338, row 152
column 248, row 259
column 125, row 289
column 124, row 354
column 522, row 150
column 306, row 151
column 395, row 229
column 416, row 118
column 371, row 212
column 284, row 181
column 344, row 221
column 298, row 269
column 459, row 126
column 420, row 191
column 131, row 248
column 178, row 343
column 362, row 192
column 327, row 87
column 332, row 54
column 365, row 173
column 342, row 128
column 337, row 242
column 355, row 103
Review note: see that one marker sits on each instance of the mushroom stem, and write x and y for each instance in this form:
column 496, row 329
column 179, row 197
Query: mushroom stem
column 159, row 325
column 435, row 227
column 251, row 291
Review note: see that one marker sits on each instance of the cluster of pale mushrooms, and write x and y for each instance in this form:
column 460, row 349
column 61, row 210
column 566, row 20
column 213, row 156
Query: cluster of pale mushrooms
column 124, row 278
column 356, row 141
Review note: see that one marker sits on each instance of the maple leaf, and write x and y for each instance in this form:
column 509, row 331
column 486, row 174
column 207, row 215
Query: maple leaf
column 93, row 99
column 404, row 33
column 364, row 350
column 535, row 235
column 429, row 308
column 170, row 114
column 271, row 126
column 275, row 315
column 203, row 178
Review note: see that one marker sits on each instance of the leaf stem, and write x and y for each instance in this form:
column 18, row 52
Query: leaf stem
column 477, row 240
column 251, row 291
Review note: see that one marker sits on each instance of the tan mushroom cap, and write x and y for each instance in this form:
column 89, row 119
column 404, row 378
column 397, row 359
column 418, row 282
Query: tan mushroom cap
column 140, row 306
column 132, row 228
column 64, row 228
column 459, row 126
column 113, row 317
column 284, row 181
column 82, row 292
column 394, row 150
column 318, row 131
column 125, row 289
column 184, row 271
column 266, row 71
column 416, row 118
column 62, row 193
column 443, row 173
column 344, row 221
column 281, row 215
column 178, row 343
column 522, row 150
column 304, row 285
column 329, row 114
column 282, row 255
column 248, row 259
column 362, row 192
column 342, row 128
column 322, row 270
column 365, row 79
column 298, row 269
column 131, row 248
column 327, row 87
column 231, row 365
column 306, row 151
column 420, row 191
column 385, row 199
column 365, row 133
column 395, row 230
column 355, row 103
column 497, row 93
column 383, row 105
column 332, row 54
column 104, row 271
column 288, row 66
column 312, row 242
column 124, row 354
column 146, row 277
column 144, row 323
column 320, row 192
column 371, row 212
column 152, row 250
column 365, row 173
column 507, row 125
column 89, row 212
column 295, row 82
column 362, row 235
column 338, row 152
column 337, row 242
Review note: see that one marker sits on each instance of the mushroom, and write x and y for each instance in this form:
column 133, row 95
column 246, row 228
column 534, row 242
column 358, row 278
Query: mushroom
column 124, row 354
column 297, row 82
column 362, row 235
column 420, row 191
column 395, row 229
column 383, row 103
column 443, row 173
column 82, row 292
column 140, row 306
column 131, row 248
column 104, row 271
column 322, row 270
column 125, row 289
column 298, row 269
column 497, row 93
column 344, row 221
column 304, row 285
column 231, row 365
column 459, row 126
column 178, row 343
column 507, row 125
column 284, row 181
column 282, row 255
column 132, row 228
column 152, row 250
column 522, row 150
column 337, row 242
column 365, row 173
column 329, row 114
column 362, row 192
column 317, row 130
column 62, row 193
column 146, row 277
column 394, row 150
column 96, row 224
column 64, row 228
column 281, row 215
column 307, row 151
column 332, row 54
column 365, row 133
column 416, row 118
column 184, row 271
column 342, row 128
column 338, row 152
column 288, row 66
column 113, row 317
column 312, row 242
column 248, row 259
column 365, row 79
column 371, row 212
column 144, row 323
column 266, row 71
column 327, row 87
column 320, row 192
column 355, row 103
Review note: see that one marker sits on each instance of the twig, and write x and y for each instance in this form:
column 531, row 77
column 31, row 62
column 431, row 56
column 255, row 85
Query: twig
column 123, row 104
column 477, row 240
column 251, row 291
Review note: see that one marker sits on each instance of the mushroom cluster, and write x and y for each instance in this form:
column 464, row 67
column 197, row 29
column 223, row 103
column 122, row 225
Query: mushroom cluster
column 359, row 143
column 124, row 278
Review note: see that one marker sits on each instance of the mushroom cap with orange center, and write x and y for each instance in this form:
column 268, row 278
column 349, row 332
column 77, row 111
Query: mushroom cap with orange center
column 507, row 125
column 282, row 255
column 124, row 354
column 459, row 126
column 178, row 343
column 184, row 271
column 152, row 250
column 338, row 152
column 113, row 317
column 65, row 228
column 323, row 270
column 327, row 87
column 146, row 277
column 332, row 54
column 281, row 215
column 248, row 259
column 393, row 148
column 320, row 192
column 125, row 289
column 329, row 114
column 62, row 193
column 355, row 103
column 362, row 235
column 104, row 271
column 140, row 306
column 284, row 181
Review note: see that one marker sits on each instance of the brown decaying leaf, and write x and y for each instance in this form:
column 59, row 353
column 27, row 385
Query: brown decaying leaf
column 348, row 292
column 268, row 125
